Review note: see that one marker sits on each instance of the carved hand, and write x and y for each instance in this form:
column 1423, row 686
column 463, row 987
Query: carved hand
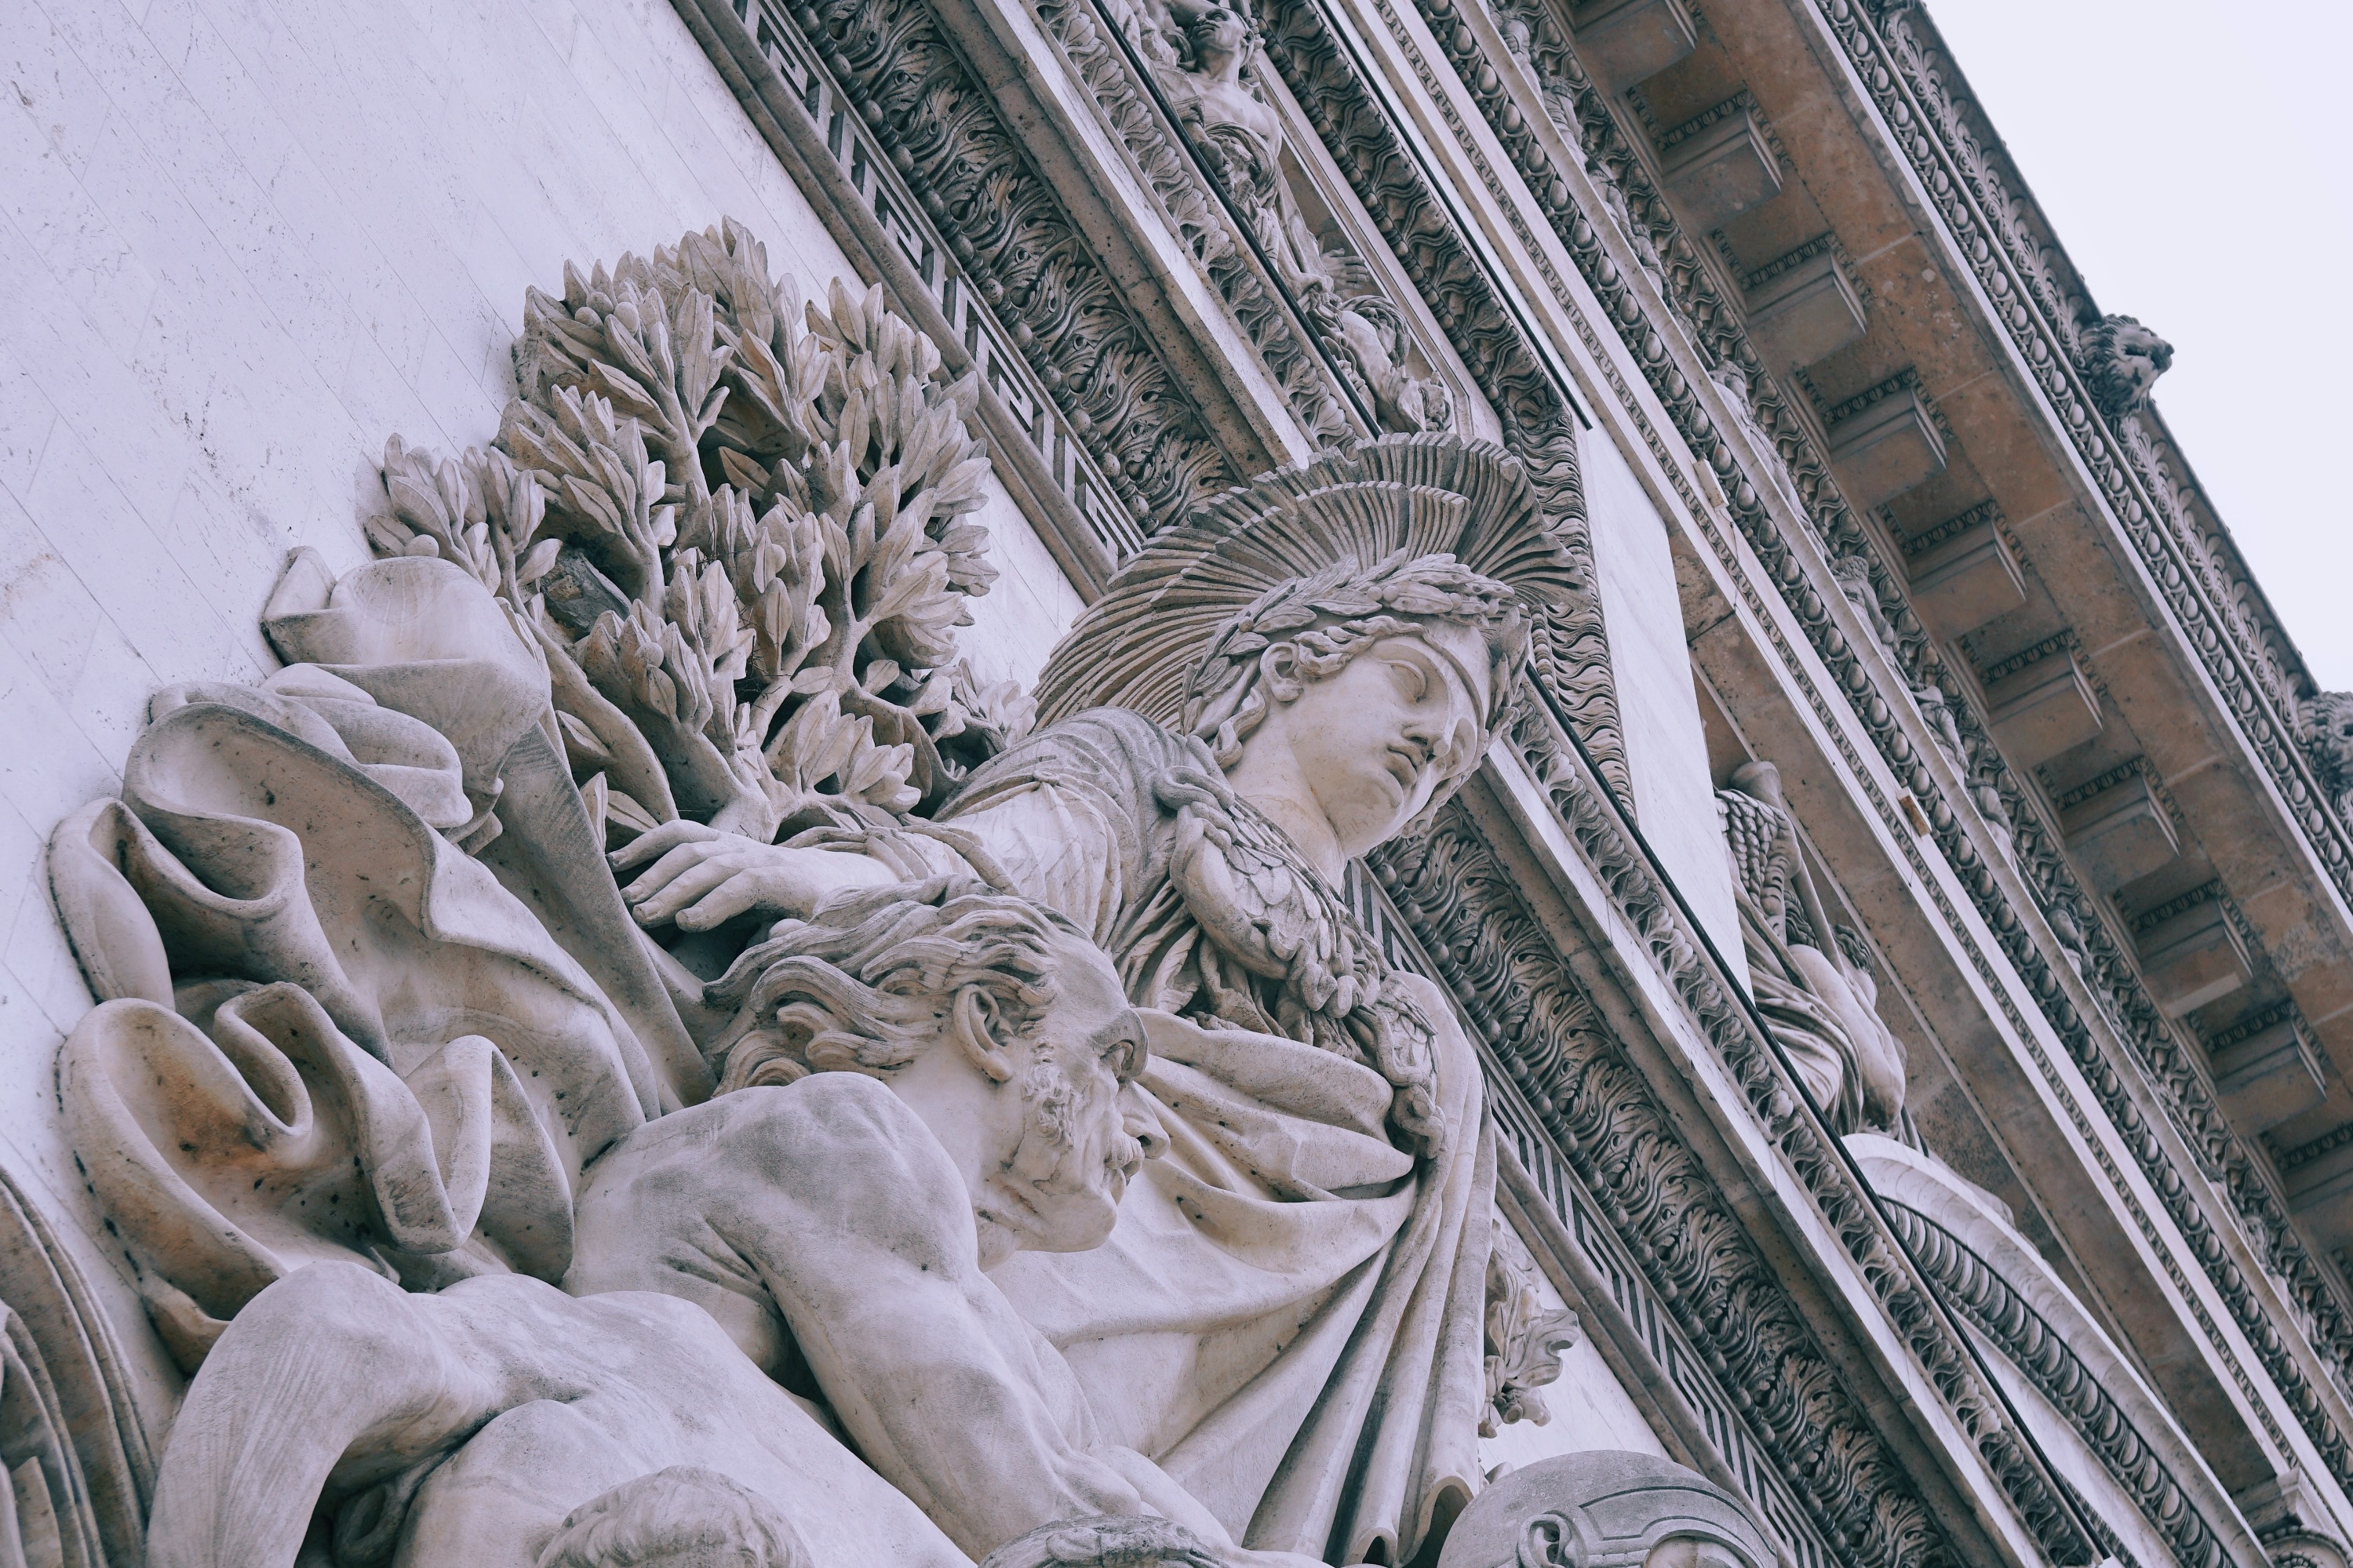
column 700, row 877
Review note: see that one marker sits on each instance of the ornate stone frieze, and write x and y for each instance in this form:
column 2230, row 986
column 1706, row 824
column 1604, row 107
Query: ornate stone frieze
column 944, row 132
column 2104, row 964
column 1202, row 217
column 2040, row 1351
column 1180, row 87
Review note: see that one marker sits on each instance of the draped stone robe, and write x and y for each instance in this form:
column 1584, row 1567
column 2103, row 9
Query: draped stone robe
column 1288, row 1316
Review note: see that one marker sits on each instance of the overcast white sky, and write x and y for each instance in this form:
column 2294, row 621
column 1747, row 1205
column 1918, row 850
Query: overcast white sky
column 2197, row 160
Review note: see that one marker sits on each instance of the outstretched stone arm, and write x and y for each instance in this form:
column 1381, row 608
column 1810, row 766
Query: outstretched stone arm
column 332, row 1379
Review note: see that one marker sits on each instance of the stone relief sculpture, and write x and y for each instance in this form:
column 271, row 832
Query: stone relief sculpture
column 1305, row 669
column 634, row 1203
column 1813, row 979
column 1198, row 53
column 960, row 1056
column 1607, row 1510
column 1525, row 1338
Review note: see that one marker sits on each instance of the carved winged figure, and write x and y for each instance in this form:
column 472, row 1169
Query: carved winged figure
column 1813, row 981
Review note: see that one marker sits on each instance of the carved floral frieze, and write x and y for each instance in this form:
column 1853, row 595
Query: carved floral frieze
column 2013, row 821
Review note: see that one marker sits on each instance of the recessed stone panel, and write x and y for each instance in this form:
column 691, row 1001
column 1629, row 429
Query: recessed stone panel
column 2041, row 709
column 2192, row 957
column 1719, row 167
column 1802, row 310
column 1626, row 41
column 2320, row 1196
column 1885, row 447
column 2118, row 833
column 2269, row 1074
column 1965, row 579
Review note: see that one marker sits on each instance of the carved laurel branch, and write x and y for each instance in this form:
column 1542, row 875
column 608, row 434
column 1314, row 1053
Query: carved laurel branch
column 2107, row 971
column 1496, row 959
column 2040, row 1351
column 1200, row 218
column 1906, row 82
column 942, row 132
column 1572, row 652
column 740, row 542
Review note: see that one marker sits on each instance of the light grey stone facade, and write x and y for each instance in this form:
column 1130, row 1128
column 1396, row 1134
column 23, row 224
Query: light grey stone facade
column 1035, row 781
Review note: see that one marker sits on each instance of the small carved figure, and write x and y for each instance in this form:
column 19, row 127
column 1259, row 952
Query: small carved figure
column 1200, row 69
column 2120, row 361
column 1812, row 980
column 1853, row 575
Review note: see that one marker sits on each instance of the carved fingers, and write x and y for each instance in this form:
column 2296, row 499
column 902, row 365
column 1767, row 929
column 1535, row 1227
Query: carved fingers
column 701, row 877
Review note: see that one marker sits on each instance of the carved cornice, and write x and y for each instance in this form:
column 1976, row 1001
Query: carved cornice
column 1908, row 81
column 1202, row 216
column 1462, row 907
column 1788, row 262
column 2100, row 784
column 2059, row 1375
column 2105, row 967
column 2304, row 1154
column 1953, row 527
column 2181, row 903
column 2058, row 643
column 1674, row 136
column 1845, row 408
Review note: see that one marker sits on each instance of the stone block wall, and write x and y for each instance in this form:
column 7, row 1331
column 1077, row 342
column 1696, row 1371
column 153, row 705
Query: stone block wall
column 245, row 242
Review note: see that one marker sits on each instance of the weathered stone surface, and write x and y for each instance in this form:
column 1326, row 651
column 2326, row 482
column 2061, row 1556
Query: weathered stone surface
column 2192, row 957
column 1719, row 165
column 1885, row 447
column 2042, row 707
column 1805, row 309
column 1627, row 41
column 1966, row 580
column 2119, row 832
column 2268, row 1075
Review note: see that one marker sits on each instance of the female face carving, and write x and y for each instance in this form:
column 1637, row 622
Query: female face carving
column 1369, row 745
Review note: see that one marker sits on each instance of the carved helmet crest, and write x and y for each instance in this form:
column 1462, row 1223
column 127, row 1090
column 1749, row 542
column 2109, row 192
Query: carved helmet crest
column 1353, row 515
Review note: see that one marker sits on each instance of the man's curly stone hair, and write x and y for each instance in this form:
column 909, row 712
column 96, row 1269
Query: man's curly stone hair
column 683, row 1517
column 873, row 978
column 1329, row 617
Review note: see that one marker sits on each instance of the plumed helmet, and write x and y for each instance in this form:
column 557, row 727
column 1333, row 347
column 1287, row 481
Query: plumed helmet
column 1262, row 556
